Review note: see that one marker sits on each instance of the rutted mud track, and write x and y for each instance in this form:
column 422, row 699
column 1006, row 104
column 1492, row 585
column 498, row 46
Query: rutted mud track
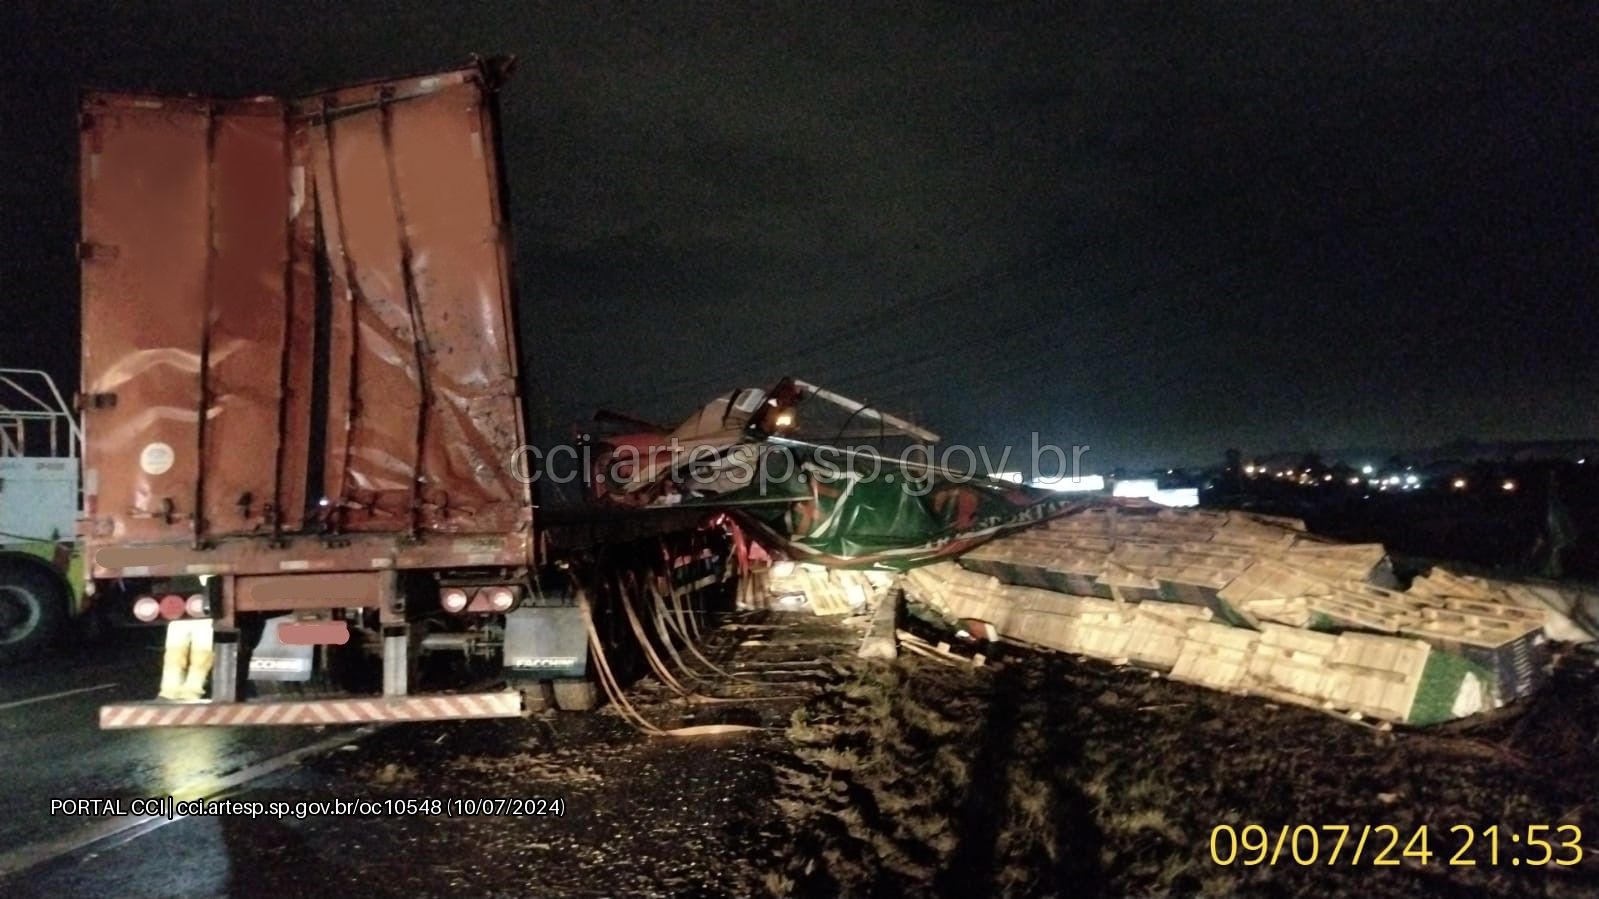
column 913, row 776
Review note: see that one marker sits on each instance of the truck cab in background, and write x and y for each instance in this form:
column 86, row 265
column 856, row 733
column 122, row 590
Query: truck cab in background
column 41, row 565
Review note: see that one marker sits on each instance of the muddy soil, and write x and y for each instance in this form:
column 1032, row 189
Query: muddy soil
column 1049, row 775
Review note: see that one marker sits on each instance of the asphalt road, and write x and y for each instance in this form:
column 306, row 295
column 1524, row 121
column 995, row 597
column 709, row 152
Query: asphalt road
column 51, row 748
column 638, row 815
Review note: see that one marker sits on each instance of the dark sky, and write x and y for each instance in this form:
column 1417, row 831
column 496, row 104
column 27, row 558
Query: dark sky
column 1158, row 229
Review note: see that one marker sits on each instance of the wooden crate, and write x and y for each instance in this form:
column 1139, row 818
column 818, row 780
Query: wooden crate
column 1044, row 629
column 1154, row 642
column 1519, row 658
column 1375, row 674
column 1278, row 672
column 1208, row 666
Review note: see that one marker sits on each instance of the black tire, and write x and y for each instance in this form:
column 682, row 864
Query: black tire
column 575, row 695
column 33, row 609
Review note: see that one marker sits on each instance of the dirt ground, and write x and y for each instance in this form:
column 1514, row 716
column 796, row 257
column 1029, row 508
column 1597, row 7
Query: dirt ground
column 1033, row 775
column 1046, row 775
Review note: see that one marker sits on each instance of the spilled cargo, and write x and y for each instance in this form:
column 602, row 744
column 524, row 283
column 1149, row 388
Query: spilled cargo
column 1253, row 605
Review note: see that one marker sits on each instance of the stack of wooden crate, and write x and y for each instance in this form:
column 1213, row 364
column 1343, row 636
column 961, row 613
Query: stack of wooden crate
column 825, row 591
column 1240, row 602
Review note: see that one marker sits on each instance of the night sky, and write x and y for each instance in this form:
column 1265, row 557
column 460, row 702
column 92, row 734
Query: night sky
column 1157, row 229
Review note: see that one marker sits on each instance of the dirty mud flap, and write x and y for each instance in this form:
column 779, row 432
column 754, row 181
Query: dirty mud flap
column 500, row 704
column 546, row 642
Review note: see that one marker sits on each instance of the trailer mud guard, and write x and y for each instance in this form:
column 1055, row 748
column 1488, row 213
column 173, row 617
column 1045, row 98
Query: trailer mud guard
column 546, row 642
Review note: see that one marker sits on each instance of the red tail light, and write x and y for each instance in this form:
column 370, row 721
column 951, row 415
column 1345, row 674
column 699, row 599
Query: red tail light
column 172, row 606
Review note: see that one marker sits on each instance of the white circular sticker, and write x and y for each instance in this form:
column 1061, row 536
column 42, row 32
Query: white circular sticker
column 157, row 458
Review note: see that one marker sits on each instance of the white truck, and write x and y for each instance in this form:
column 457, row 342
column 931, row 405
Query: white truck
column 41, row 564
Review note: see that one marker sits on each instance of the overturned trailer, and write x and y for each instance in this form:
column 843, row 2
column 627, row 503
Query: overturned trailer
column 301, row 402
column 818, row 477
column 1229, row 600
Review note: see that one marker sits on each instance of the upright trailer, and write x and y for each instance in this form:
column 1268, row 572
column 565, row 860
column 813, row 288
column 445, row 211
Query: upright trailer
column 300, row 401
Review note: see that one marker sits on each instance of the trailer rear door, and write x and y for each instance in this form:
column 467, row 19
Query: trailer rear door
column 297, row 315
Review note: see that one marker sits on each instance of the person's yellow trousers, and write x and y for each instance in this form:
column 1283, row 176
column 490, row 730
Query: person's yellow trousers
column 186, row 664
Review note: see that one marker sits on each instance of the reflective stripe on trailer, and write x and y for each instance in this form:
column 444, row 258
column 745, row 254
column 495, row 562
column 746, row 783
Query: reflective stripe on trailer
column 503, row 704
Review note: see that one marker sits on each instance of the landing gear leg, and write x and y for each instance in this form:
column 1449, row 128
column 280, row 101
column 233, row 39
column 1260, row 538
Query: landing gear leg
column 225, row 666
column 396, row 659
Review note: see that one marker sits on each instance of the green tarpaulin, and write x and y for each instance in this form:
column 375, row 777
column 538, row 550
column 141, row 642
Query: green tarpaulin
column 870, row 512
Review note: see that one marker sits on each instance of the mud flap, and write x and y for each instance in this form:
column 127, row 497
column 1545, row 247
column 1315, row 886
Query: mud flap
column 545, row 642
column 274, row 660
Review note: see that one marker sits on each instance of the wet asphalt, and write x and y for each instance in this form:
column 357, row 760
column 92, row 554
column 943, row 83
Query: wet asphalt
column 51, row 748
column 637, row 815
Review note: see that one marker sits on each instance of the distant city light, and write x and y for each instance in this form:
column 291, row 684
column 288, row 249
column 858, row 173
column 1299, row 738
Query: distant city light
column 1393, row 479
column 1412, row 479
column 1249, row 469
column 1508, row 486
column 1459, row 483
column 1366, row 469
column 1326, row 477
column 1355, row 481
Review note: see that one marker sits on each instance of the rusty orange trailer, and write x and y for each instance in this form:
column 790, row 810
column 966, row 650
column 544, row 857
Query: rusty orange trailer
column 300, row 396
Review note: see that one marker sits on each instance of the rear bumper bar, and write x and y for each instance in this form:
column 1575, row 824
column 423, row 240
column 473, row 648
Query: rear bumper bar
column 502, row 704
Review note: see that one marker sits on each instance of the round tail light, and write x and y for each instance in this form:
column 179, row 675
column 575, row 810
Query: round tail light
column 146, row 608
column 453, row 599
column 501, row 599
column 196, row 606
column 172, row 606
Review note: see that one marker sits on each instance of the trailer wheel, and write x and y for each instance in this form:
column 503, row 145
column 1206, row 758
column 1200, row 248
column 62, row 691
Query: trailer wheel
column 575, row 695
column 33, row 608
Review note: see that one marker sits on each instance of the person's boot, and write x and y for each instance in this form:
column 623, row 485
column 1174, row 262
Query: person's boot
column 199, row 669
